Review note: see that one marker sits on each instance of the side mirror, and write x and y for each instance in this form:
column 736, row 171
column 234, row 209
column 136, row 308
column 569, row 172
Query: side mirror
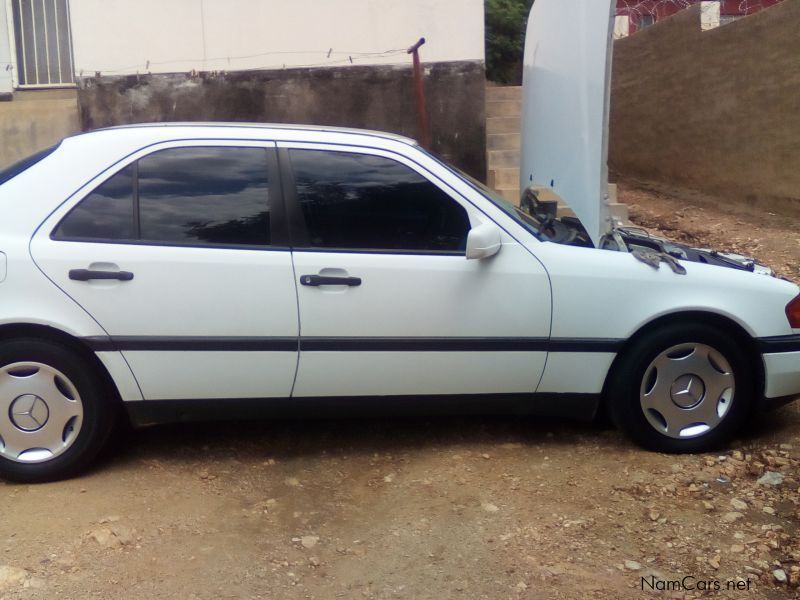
column 483, row 241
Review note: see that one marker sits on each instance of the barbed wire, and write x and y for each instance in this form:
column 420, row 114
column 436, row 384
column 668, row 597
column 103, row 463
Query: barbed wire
column 328, row 58
column 658, row 8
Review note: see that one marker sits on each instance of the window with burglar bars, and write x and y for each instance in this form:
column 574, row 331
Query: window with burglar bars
column 43, row 43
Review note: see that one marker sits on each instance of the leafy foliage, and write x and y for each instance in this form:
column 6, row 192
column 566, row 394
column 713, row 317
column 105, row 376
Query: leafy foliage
column 505, row 39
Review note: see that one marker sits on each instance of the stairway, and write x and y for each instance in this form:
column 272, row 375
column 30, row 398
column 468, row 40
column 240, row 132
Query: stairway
column 503, row 143
column 503, row 115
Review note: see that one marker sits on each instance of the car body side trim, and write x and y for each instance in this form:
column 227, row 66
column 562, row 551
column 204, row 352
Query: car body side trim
column 192, row 344
column 779, row 344
column 153, row 412
column 351, row 344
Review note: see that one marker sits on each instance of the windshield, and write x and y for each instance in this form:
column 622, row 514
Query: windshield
column 25, row 164
column 526, row 220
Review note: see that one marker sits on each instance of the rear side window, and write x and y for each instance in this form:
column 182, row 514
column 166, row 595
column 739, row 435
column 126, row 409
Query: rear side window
column 105, row 214
column 25, row 164
column 363, row 202
column 204, row 196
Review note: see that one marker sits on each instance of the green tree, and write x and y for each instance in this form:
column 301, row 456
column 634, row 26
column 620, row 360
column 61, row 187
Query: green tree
column 506, row 21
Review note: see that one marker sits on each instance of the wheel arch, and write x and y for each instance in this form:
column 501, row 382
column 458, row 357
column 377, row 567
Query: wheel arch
column 58, row 336
column 699, row 317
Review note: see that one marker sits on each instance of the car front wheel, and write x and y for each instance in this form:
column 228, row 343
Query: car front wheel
column 54, row 418
column 682, row 388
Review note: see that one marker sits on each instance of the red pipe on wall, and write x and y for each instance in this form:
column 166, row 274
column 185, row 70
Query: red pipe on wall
column 422, row 113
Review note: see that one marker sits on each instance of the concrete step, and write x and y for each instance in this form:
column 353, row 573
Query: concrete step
column 510, row 194
column 503, row 109
column 619, row 212
column 612, row 193
column 503, row 125
column 499, row 159
column 503, row 141
column 504, row 177
column 508, row 93
column 564, row 211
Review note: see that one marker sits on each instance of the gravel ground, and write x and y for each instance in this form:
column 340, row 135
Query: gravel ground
column 426, row 508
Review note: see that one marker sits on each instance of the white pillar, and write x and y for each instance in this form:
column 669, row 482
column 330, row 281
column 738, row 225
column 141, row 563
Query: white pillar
column 6, row 65
column 622, row 26
column 709, row 15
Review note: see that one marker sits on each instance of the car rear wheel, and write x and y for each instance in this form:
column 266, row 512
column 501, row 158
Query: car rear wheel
column 54, row 418
column 682, row 388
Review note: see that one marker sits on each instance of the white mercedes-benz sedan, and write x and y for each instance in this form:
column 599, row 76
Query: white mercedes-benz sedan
column 186, row 271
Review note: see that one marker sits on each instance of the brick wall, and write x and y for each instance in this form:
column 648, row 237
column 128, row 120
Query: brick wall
column 718, row 111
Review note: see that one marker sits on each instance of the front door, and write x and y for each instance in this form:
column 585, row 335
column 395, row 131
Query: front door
column 389, row 303
column 175, row 256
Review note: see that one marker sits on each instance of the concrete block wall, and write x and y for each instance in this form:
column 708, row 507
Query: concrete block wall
column 368, row 97
column 717, row 110
column 35, row 120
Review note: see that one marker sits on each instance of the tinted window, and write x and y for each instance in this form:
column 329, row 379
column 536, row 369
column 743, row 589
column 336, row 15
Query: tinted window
column 357, row 201
column 105, row 214
column 205, row 195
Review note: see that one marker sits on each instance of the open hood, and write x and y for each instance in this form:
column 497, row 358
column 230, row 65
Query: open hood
column 566, row 97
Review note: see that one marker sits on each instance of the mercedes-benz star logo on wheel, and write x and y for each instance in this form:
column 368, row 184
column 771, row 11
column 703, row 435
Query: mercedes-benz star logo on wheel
column 29, row 412
column 688, row 390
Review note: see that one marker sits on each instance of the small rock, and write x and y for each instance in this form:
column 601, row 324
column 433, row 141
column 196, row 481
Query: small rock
column 292, row 481
column 522, row 586
column 126, row 535
column 309, row 541
column 771, row 478
column 738, row 504
column 632, row 565
column 314, row 561
column 714, row 561
column 35, row 583
column 485, row 456
column 108, row 519
column 737, row 455
column 779, row 575
column 732, row 517
column 389, row 478
column 786, row 446
column 489, row 507
column 708, row 505
column 769, row 510
column 105, row 537
column 737, row 548
column 654, row 515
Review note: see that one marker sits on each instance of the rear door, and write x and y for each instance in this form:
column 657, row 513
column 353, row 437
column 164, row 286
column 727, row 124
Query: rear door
column 179, row 255
column 389, row 304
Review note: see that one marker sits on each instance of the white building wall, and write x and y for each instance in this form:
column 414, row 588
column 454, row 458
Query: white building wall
column 6, row 65
column 158, row 36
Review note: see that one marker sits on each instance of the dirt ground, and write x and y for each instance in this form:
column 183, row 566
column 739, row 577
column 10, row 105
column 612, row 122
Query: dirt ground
column 427, row 508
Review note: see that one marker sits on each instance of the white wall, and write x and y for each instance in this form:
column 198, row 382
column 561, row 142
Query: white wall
column 5, row 52
column 163, row 36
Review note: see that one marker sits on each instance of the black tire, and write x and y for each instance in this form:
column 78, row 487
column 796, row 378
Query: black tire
column 627, row 381
column 99, row 410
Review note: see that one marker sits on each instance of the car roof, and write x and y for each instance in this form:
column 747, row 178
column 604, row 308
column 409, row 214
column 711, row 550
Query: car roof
column 260, row 128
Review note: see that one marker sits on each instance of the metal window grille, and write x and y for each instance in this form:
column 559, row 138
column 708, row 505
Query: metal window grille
column 43, row 43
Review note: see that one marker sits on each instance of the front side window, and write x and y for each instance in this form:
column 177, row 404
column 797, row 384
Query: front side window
column 363, row 202
column 203, row 196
